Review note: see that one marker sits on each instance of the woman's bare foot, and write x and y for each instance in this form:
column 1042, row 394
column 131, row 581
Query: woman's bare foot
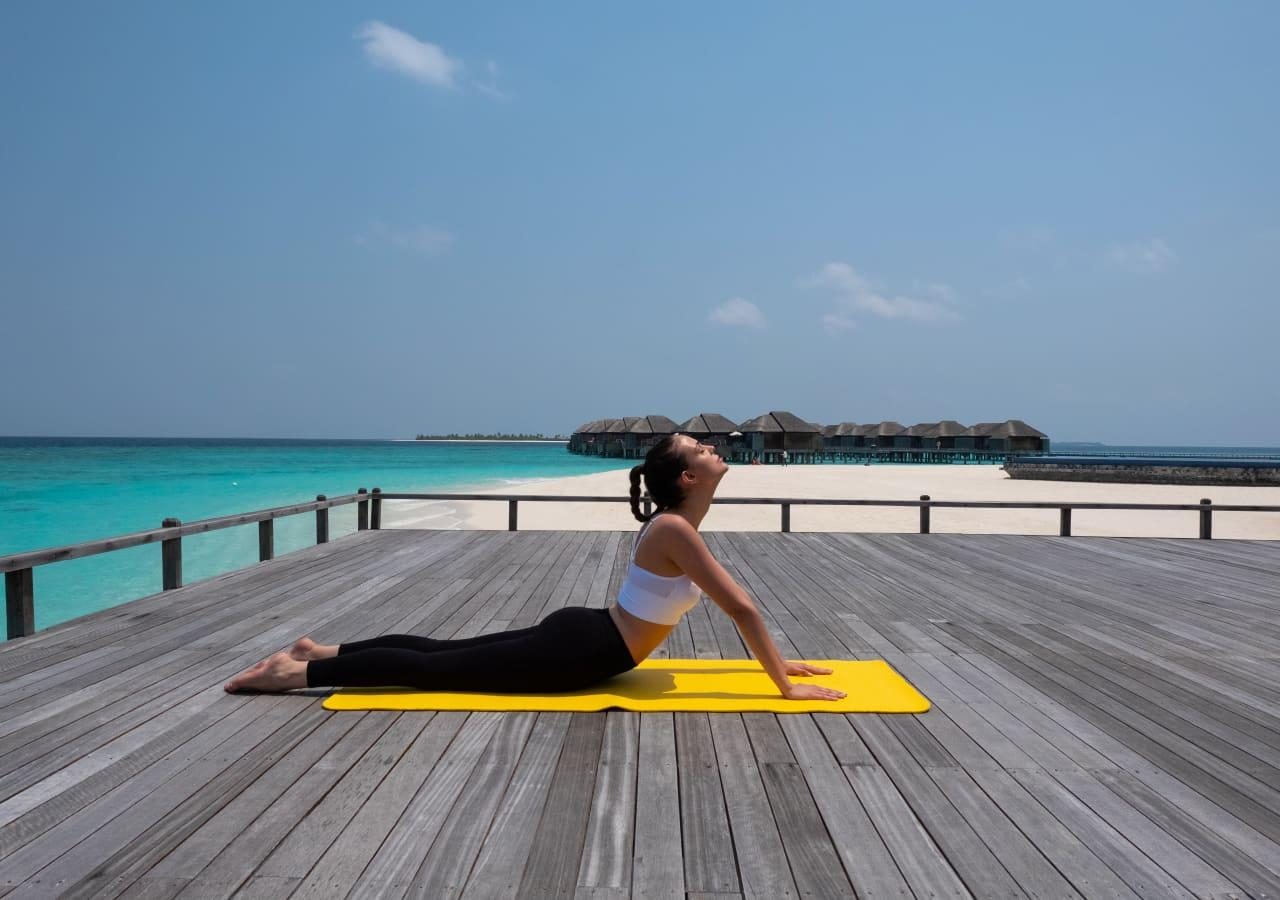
column 306, row 649
column 278, row 672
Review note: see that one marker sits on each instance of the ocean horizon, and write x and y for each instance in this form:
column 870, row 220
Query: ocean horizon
column 64, row 490
column 56, row 491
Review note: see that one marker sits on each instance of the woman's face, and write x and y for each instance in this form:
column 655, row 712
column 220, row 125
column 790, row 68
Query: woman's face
column 701, row 461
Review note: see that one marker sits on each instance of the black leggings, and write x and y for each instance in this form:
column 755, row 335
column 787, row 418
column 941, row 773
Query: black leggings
column 570, row 649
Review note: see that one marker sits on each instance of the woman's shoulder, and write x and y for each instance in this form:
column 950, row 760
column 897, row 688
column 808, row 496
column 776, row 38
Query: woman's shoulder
column 671, row 527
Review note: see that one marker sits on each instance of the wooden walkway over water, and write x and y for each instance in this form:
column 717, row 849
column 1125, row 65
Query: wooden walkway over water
column 1106, row 723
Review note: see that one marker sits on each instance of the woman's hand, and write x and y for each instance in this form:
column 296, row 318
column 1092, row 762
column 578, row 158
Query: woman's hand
column 799, row 668
column 811, row 692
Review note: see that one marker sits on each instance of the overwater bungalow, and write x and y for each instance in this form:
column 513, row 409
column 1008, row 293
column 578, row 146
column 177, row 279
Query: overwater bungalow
column 863, row 435
column 644, row 432
column 712, row 428
column 586, row 436
column 613, row 440
column 1016, row 436
column 918, row 437
column 768, row 435
column 975, row 436
column 944, row 434
column 888, row 436
column 839, row 437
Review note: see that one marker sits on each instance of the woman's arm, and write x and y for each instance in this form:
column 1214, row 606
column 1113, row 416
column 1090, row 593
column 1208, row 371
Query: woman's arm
column 688, row 551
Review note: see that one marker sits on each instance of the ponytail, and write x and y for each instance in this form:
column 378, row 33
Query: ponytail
column 661, row 471
column 636, row 472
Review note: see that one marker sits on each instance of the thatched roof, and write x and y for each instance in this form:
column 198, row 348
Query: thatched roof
column 830, row 430
column 779, row 420
column 653, row 425
column 621, row 426
column 887, row 429
column 846, row 428
column 1015, row 428
column 946, row 428
column 598, row 426
column 921, row 430
column 708, row 423
column 982, row 429
column 864, row 430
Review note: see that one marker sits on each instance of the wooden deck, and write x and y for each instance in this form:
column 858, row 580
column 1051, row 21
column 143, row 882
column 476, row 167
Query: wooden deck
column 1106, row 723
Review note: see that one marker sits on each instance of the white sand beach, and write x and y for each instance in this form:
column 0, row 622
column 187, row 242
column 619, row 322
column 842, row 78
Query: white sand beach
column 877, row 482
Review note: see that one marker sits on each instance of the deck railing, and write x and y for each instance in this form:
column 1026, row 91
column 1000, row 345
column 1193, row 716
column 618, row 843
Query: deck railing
column 19, row 568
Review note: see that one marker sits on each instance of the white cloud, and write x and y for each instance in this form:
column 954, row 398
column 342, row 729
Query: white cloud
column 428, row 240
column 399, row 51
column 1145, row 257
column 739, row 312
column 835, row 323
column 855, row 293
column 489, row 85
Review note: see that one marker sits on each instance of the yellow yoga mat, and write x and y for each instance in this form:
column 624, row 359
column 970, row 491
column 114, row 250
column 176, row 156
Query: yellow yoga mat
column 689, row 685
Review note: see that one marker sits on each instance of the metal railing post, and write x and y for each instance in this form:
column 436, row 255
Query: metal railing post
column 1206, row 519
column 362, row 510
column 322, row 521
column 786, row 518
column 171, row 558
column 266, row 540
column 647, row 507
column 375, row 512
column 511, row 515
column 924, row 513
column 20, row 603
column 1064, row 521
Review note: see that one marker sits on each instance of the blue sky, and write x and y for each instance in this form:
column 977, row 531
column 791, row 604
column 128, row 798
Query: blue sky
column 370, row 220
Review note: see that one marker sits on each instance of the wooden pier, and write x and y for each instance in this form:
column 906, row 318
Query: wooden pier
column 1105, row 723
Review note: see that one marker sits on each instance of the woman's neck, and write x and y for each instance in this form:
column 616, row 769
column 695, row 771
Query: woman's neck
column 692, row 510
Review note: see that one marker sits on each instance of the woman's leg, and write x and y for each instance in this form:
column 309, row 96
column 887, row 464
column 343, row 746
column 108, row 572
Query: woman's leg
column 570, row 649
column 430, row 645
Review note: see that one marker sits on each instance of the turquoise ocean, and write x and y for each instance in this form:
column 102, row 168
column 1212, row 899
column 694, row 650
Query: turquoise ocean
column 57, row 491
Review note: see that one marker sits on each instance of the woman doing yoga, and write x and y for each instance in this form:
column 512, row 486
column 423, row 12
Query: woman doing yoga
column 573, row 647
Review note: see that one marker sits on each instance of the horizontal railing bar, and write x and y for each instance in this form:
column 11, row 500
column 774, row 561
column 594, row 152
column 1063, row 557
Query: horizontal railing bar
column 827, row 501
column 154, row 535
column 32, row 558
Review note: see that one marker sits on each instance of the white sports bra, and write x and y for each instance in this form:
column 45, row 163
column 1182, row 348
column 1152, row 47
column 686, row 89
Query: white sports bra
column 661, row 599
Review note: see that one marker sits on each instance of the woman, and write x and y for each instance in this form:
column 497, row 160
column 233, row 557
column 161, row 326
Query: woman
column 574, row 647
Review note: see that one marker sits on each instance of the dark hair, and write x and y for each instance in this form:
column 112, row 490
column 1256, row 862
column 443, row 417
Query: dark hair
column 661, row 470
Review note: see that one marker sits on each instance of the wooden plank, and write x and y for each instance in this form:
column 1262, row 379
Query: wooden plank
column 762, row 860
column 89, row 859
column 505, row 852
column 391, row 871
column 606, row 855
column 870, row 866
column 658, row 866
column 445, row 869
column 340, row 867
column 316, row 830
column 973, row 861
column 556, row 854
column 708, row 848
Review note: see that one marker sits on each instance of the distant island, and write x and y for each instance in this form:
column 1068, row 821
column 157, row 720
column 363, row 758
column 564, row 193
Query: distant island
column 489, row 437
